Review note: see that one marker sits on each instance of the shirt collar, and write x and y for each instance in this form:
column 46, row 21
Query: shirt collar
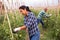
column 28, row 14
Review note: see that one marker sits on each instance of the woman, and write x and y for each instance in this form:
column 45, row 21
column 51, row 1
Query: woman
column 30, row 23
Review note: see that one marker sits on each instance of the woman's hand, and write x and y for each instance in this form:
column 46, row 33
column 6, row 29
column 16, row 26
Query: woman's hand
column 16, row 30
column 19, row 28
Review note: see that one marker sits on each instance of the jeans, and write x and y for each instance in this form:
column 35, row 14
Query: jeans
column 40, row 21
column 35, row 36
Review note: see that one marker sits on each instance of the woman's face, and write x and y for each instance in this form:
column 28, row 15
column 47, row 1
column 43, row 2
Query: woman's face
column 23, row 11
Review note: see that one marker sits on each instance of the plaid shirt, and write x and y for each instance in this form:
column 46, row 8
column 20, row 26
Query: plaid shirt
column 30, row 21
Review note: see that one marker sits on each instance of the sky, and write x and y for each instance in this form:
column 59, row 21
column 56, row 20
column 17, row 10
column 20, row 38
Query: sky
column 33, row 3
column 40, row 2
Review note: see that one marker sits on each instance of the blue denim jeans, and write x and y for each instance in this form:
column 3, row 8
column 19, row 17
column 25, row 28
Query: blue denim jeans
column 40, row 21
column 35, row 36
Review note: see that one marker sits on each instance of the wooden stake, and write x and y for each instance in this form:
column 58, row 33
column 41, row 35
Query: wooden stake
column 6, row 14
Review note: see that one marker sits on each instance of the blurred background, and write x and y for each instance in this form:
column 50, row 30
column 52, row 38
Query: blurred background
column 10, row 18
column 32, row 3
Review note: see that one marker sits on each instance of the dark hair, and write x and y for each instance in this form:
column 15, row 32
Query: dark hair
column 25, row 7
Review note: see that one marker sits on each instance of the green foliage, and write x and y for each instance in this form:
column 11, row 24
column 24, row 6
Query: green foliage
column 16, row 21
column 51, row 24
column 1, row 19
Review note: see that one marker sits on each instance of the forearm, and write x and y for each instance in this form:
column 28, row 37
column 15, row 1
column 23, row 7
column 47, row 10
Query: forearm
column 47, row 14
column 23, row 27
column 20, row 28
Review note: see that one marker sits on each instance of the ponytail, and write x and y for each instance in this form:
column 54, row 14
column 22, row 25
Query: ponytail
column 25, row 7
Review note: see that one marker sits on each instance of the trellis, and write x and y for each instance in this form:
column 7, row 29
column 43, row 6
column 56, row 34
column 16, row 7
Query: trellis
column 7, row 17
